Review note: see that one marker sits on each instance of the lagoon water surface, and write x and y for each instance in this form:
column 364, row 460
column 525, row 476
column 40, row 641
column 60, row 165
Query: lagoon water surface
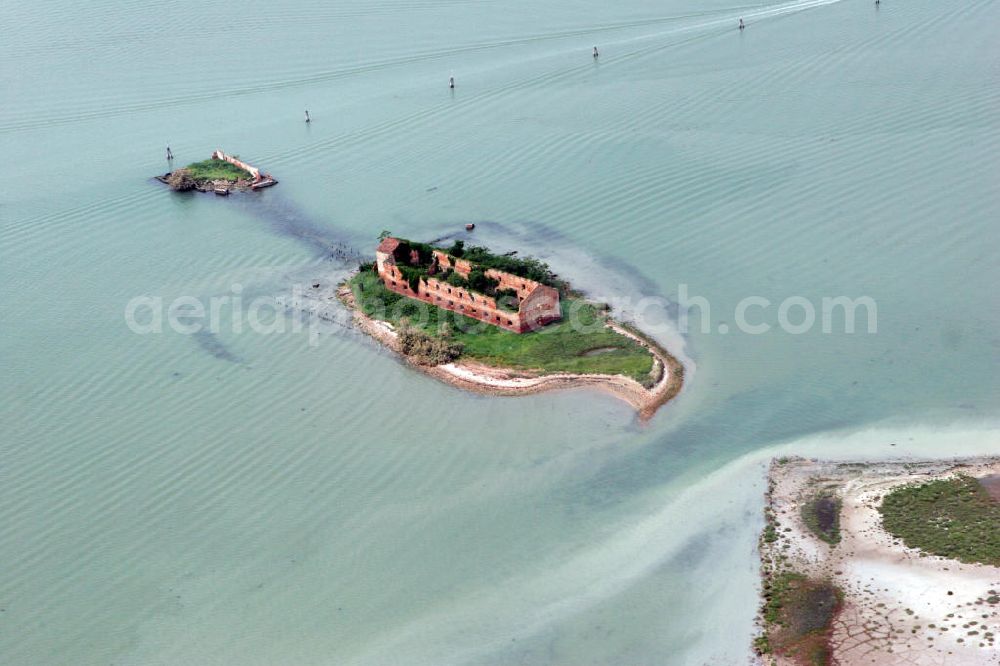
column 238, row 498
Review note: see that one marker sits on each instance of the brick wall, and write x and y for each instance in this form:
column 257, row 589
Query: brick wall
column 540, row 307
column 539, row 304
column 254, row 171
column 456, row 299
column 460, row 266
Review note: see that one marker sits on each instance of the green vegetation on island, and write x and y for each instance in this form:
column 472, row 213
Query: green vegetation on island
column 216, row 169
column 821, row 514
column 580, row 343
column 954, row 517
column 204, row 172
column 427, row 349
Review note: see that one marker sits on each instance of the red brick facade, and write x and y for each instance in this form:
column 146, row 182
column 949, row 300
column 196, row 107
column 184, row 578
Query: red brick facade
column 538, row 304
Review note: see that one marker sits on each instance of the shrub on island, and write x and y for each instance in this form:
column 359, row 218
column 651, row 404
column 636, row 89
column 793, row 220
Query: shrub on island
column 181, row 180
column 426, row 350
column 954, row 517
column 821, row 514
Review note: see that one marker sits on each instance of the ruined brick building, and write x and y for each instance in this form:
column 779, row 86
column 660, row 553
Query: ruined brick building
column 536, row 304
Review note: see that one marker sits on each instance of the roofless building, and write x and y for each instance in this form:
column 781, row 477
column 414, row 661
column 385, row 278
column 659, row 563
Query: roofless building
column 508, row 301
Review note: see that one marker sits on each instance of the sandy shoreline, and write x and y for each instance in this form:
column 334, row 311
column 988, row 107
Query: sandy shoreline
column 899, row 606
column 489, row 380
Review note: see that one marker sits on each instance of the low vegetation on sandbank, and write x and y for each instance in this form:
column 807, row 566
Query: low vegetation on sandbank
column 879, row 615
column 798, row 618
column 581, row 343
column 954, row 517
column 821, row 514
column 798, row 605
column 797, row 610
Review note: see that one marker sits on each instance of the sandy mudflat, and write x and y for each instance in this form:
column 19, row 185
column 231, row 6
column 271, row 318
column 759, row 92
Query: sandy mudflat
column 899, row 606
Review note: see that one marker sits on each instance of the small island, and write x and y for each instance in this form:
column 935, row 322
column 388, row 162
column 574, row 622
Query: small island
column 886, row 563
column 502, row 325
column 221, row 174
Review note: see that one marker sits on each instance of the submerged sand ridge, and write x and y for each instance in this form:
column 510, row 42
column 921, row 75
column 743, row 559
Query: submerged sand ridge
column 898, row 605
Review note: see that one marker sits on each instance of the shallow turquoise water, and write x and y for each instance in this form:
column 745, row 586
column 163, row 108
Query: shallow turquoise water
column 246, row 498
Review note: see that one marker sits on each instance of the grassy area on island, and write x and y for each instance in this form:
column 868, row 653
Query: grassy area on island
column 580, row 343
column 216, row 169
column 953, row 517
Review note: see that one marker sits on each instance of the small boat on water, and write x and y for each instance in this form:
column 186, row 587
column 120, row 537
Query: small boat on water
column 470, row 227
column 222, row 191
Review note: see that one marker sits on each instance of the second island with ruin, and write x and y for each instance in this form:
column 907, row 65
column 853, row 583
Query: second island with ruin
column 221, row 174
column 503, row 325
